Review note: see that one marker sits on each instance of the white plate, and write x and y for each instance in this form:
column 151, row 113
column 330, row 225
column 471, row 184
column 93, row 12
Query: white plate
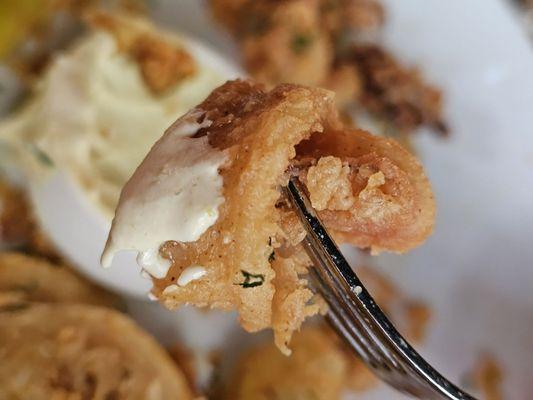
column 476, row 271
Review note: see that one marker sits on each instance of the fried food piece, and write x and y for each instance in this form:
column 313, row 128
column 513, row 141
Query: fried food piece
column 319, row 367
column 263, row 373
column 345, row 81
column 357, row 16
column 29, row 279
column 316, row 370
column 487, row 377
column 305, row 42
column 16, row 223
column 161, row 62
column 18, row 228
column 280, row 41
column 79, row 351
column 395, row 92
column 391, row 205
column 254, row 237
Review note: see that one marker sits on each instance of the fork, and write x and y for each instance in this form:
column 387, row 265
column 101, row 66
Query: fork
column 357, row 318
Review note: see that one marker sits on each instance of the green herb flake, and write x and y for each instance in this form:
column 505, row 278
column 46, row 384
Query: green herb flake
column 41, row 156
column 271, row 257
column 301, row 42
column 251, row 280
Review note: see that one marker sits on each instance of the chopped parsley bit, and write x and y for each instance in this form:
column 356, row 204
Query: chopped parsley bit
column 41, row 156
column 300, row 42
column 251, row 280
column 270, row 241
column 271, row 257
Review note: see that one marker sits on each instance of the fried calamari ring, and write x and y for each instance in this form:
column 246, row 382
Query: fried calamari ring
column 369, row 191
column 25, row 279
column 316, row 370
column 74, row 351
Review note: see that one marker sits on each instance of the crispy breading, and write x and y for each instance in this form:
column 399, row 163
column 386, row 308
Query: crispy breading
column 310, row 42
column 315, row 371
column 280, row 41
column 163, row 64
column 251, row 255
column 394, row 208
column 24, row 278
column 263, row 373
column 359, row 16
column 391, row 90
column 78, row 351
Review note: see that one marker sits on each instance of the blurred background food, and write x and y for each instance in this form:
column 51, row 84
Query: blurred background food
column 87, row 93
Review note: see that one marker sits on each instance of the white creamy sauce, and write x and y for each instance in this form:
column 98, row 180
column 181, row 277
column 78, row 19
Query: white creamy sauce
column 93, row 115
column 173, row 195
column 153, row 264
column 190, row 274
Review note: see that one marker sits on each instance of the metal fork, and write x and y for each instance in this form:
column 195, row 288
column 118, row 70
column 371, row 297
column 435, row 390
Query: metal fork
column 358, row 319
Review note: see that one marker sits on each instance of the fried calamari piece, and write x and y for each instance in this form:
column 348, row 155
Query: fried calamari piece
column 315, row 371
column 249, row 257
column 79, row 351
column 259, row 131
column 163, row 63
column 281, row 41
column 263, row 373
column 356, row 16
column 29, row 279
column 378, row 194
column 393, row 91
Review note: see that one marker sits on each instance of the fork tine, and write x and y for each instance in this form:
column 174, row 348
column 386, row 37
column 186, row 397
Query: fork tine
column 363, row 346
column 344, row 291
column 354, row 324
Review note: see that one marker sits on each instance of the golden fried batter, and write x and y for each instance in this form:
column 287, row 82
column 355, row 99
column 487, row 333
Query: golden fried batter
column 162, row 64
column 280, row 41
column 324, row 43
column 82, row 352
column 316, row 370
column 394, row 91
column 263, row 373
column 29, row 279
column 377, row 197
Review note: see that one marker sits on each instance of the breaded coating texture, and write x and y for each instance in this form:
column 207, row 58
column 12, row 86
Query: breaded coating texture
column 316, row 370
column 82, row 352
column 371, row 193
column 393, row 91
column 162, row 64
column 333, row 44
column 26, row 279
column 320, row 366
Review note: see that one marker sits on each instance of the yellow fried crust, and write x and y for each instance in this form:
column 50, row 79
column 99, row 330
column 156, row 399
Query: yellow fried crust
column 79, row 351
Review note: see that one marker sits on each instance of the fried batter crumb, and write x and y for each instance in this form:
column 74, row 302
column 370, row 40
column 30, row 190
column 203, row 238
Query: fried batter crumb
column 370, row 193
column 329, row 185
column 487, row 377
column 395, row 92
column 162, row 64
